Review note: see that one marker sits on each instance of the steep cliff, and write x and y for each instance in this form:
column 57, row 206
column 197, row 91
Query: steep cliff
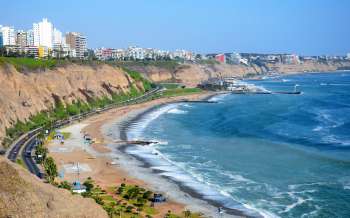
column 25, row 94
column 23, row 195
column 192, row 74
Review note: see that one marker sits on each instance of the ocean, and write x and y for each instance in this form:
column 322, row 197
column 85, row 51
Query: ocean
column 270, row 155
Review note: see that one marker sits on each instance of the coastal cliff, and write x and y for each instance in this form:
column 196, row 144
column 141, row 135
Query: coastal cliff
column 23, row 195
column 191, row 74
column 24, row 94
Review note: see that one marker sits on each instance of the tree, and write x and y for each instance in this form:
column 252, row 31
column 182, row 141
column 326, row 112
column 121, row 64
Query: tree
column 50, row 169
column 187, row 213
column 89, row 184
column 42, row 151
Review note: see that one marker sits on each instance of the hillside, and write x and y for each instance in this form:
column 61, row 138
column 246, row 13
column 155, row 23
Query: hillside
column 23, row 195
column 192, row 74
column 24, row 94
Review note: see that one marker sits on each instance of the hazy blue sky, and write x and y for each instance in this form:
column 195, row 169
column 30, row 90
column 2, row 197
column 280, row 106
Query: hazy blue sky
column 301, row 26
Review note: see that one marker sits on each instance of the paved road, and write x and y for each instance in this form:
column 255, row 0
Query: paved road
column 27, row 157
column 14, row 151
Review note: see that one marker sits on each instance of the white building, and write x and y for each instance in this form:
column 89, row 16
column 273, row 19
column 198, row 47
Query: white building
column 290, row 59
column 61, row 50
column 36, row 34
column 30, row 38
column 43, row 33
column 57, row 36
column 348, row 56
column 182, row 54
column 8, row 35
column 136, row 53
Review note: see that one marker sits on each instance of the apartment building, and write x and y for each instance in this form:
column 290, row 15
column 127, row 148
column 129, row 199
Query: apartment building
column 77, row 42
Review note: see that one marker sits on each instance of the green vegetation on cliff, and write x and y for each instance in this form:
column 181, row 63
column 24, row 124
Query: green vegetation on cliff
column 61, row 112
column 21, row 63
column 147, row 85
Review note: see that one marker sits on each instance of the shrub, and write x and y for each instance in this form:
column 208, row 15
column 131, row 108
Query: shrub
column 65, row 185
column 50, row 169
column 88, row 184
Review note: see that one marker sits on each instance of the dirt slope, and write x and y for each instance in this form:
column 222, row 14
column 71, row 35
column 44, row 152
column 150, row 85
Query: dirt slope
column 22, row 95
column 23, row 195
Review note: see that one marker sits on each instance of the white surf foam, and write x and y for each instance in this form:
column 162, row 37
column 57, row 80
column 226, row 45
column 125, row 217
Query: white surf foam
column 136, row 129
column 176, row 111
column 218, row 98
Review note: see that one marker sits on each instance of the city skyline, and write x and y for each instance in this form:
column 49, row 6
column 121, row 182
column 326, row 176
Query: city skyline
column 243, row 27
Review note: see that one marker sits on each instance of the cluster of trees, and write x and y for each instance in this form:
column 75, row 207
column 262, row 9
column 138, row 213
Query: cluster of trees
column 135, row 201
column 111, row 205
column 41, row 153
column 50, row 169
column 48, row 163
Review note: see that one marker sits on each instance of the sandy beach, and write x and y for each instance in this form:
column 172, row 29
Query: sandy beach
column 105, row 162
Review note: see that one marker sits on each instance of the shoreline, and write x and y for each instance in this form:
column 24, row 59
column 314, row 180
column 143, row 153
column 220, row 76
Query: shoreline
column 110, row 167
column 126, row 124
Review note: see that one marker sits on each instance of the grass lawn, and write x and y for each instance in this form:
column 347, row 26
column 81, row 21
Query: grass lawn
column 22, row 64
column 170, row 85
column 180, row 91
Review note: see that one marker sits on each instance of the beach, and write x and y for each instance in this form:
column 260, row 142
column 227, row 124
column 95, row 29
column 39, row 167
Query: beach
column 108, row 165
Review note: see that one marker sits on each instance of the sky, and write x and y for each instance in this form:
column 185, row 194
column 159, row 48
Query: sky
column 306, row 27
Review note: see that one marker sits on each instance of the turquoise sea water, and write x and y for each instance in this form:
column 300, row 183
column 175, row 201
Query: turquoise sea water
column 276, row 155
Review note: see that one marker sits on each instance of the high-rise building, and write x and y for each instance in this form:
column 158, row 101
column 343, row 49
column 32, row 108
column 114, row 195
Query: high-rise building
column 30, row 38
column 77, row 43
column 57, row 36
column 8, row 35
column 43, row 33
column 21, row 39
column 1, row 45
column 36, row 34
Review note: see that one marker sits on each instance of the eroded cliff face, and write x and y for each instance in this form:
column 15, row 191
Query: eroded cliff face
column 193, row 74
column 24, row 195
column 23, row 95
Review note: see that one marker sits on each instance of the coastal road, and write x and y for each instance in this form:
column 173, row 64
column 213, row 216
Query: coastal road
column 17, row 145
column 27, row 156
